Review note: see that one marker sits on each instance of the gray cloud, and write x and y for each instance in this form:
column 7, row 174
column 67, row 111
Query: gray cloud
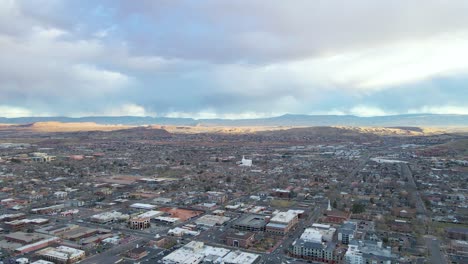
column 231, row 57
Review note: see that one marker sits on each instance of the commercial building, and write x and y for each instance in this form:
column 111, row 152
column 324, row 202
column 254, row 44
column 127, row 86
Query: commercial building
column 360, row 252
column 282, row 193
column 137, row 253
column 178, row 232
column 460, row 233
column 217, row 197
column 326, row 232
column 41, row 261
column 41, row 157
column 109, row 217
column 193, row 253
column 240, row 239
column 37, row 245
column 197, row 252
column 24, row 223
column 139, row 222
column 143, row 206
column 312, row 247
column 151, row 214
column 62, row 254
column 245, row 162
column 250, row 222
column 60, row 195
column 49, row 209
column 11, row 217
column 211, row 220
column 335, row 216
column 239, row 257
column 166, row 220
column 23, row 238
column 347, row 232
column 282, row 222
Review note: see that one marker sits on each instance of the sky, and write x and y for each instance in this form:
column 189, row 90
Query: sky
column 232, row 59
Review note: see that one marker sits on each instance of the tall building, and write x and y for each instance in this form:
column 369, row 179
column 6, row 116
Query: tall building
column 313, row 247
column 346, row 232
column 362, row 252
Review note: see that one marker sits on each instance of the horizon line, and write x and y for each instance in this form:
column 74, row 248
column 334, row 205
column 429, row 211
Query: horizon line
column 221, row 118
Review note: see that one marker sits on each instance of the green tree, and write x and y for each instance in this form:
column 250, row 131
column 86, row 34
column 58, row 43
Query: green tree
column 358, row 208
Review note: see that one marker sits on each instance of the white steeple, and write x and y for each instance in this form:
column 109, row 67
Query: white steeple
column 329, row 206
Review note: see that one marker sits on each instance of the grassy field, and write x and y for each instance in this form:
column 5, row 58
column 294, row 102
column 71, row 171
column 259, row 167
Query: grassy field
column 282, row 203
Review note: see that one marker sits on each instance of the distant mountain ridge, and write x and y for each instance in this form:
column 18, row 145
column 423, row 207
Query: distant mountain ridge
column 413, row 120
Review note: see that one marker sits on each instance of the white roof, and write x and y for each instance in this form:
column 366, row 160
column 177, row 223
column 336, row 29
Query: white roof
column 321, row 226
column 167, row 219
column 284, row 217
column 312, row 235
column 211, row 220
column 109, row 215
column 239, row 257
column 246, row 162
column 41, row 261
column 182, row 256
column 62, row 252
column 182, row 231
column 143, row 206
column 215, row 251
column 151, row 214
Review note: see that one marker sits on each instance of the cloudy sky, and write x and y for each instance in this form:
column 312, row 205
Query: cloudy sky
column 232, row 59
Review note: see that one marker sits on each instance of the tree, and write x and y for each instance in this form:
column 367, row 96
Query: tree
column 358, row 208
column 335, row 204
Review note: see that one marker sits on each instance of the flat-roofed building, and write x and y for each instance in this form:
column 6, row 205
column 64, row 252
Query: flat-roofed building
column 24, row 223
column 143, row 206
column 23, row 238
column 11, row 217
column 283, row 222
column 460, row 233
column 109, row 217
column 197, row 252
column 48, row 209
column 346, row 232
column 240, row 239
column 137, row 253
column 139, row 222
column 41, row 261
column 335, row 216
column 37, row 245
column 166, row 220
column 368, row 252
column 211, row 220
column 250, row 222
column 218, row 197
column 239, row 257
column 62, row 254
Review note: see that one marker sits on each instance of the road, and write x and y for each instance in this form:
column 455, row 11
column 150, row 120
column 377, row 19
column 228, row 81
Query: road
column 278, row 255
column 112, row 255
column 437, row 256
column 406, row 172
